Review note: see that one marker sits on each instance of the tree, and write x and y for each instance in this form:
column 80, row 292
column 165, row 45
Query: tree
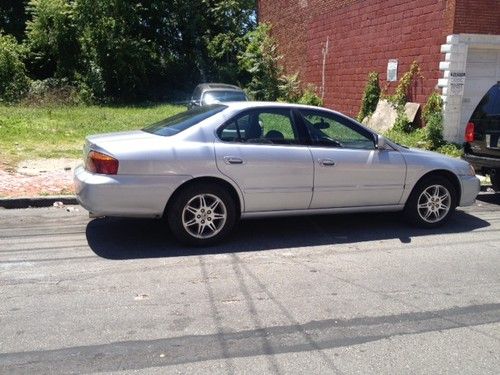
column 260, row 60
column 13, row 18
column 52, row 42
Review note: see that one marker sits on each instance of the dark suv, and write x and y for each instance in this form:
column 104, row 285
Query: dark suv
column 211, row 93
column 482, row 137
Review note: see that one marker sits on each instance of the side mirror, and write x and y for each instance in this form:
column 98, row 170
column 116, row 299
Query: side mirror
column 381, row 142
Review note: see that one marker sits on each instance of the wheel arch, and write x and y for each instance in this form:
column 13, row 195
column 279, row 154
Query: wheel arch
column 233, row 190
column 450, row 176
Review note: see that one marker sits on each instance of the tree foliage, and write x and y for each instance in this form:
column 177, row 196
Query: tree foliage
column 14, row 82
column 53, row 48
column 125, row 50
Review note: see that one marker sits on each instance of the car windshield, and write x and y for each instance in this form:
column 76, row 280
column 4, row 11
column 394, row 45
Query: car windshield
column 223, row 96
column 184, row 120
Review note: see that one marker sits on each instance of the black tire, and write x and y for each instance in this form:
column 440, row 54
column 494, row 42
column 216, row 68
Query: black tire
column 185, row 224
column 495, row 180
column 420, row 204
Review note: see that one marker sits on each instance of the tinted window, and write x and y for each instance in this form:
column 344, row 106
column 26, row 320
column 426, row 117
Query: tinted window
column 268, row 126
column 184, row 120
column 335, row 131
column 489, row 104
column 223, row 96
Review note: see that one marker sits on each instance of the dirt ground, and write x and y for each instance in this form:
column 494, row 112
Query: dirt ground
column 38, row 177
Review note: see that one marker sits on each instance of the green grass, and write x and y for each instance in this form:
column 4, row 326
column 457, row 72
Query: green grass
column 59, row 131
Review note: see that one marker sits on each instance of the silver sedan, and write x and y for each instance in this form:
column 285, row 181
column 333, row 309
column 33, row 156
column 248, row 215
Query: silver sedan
column 206, row 168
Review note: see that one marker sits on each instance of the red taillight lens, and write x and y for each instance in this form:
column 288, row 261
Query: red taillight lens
column 469, row 132
column 101, row 163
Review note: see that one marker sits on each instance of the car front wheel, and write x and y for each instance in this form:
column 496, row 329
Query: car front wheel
column 202, row 215
column 432, row 202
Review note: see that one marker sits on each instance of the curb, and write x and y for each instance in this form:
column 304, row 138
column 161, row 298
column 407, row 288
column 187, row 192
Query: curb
column 26, row 202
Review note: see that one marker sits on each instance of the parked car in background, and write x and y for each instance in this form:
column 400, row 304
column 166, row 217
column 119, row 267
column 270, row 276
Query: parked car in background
column 482, row 137
column 205, row 168
column 212, row 93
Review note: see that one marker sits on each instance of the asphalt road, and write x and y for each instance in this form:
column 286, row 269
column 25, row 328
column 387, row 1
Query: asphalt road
column 340, row 294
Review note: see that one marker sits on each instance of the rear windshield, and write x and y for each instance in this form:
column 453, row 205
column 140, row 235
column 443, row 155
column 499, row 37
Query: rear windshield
column 182, row 121
column 489, row 104
column 224, row 96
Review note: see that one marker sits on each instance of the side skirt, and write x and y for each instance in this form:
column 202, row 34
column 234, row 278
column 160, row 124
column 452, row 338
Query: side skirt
column 322, row 211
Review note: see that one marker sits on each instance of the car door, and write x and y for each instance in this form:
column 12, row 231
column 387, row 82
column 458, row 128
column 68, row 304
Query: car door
column 261, row 151
column 348, row 169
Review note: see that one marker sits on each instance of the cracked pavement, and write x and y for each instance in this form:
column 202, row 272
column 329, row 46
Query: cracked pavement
column 328, row 294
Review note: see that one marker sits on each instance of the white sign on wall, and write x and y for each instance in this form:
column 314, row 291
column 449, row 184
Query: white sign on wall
column 392, row 70
column 456, row 84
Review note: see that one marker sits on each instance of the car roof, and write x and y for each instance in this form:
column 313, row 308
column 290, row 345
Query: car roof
column 252, row 104
column 217, row 86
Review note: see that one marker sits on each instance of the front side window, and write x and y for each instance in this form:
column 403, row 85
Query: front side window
column 184, row 120
column 334, row 131
column 264, row 126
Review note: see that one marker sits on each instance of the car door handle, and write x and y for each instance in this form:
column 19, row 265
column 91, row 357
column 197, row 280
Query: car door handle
column 326, row 162
column 232, row 160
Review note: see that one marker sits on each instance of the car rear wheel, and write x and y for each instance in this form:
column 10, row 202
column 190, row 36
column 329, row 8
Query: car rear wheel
column 202, row 215
column 431, row 202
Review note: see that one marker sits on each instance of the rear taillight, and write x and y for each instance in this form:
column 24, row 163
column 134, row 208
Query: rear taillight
column 98, row 162
column 469, row 132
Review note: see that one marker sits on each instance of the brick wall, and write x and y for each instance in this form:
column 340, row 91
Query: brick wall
column 363, row 35
column 477, row 17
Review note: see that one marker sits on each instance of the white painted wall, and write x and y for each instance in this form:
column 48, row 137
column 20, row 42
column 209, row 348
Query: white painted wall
column 479, row 57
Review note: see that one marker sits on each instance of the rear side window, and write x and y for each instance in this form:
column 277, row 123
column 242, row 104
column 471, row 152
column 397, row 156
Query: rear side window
column 489, row 104
column 184, row 120
column 261, row 126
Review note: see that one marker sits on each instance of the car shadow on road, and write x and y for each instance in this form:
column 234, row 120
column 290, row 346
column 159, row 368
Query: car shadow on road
column 491, row 198
column 121, row 238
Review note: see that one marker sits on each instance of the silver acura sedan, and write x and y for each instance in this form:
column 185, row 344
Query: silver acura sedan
column 205, row 168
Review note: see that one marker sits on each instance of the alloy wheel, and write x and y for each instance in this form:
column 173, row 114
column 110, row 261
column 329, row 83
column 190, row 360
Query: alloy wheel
column 204, row 216
column 434, row 203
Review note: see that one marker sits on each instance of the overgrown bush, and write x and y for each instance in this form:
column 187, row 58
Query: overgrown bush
column 52, row 91
column 289, row 88
column 402, row 92
column 371, row 96
column 309, row 97
column 291, row 91
column 14, row 82
column 402, row 122
column 432, row 116
column 400, row 98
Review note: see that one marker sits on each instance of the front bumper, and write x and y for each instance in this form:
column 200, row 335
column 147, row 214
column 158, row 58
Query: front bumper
column 127, row 196
column 470, row 189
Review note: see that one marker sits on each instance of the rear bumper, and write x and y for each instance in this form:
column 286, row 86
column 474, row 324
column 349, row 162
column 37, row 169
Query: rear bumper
column 128, row 196
column 470, row 190
column 482, row 163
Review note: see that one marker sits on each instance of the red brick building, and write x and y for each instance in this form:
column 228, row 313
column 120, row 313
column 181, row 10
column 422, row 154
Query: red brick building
column 334, row 44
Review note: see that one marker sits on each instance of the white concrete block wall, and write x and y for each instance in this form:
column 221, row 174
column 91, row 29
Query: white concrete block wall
column 482, row 69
